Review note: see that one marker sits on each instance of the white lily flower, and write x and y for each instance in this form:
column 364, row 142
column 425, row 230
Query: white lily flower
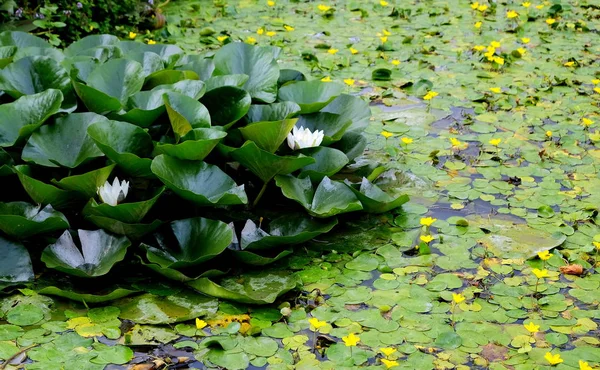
column 115, row 193
column 301, row 138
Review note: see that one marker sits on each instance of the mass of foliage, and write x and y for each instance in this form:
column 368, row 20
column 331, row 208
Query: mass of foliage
column 122, row 151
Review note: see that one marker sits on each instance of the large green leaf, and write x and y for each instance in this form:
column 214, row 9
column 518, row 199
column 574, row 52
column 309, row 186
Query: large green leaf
column 266, row 165
column 375, row 200
column 32, row 75
column 99, row 252
column 125, row 144
column 226, row 80
column 283, row 231
column 204, row 67
column 268, row 135
column 311, row 96
column 81, row 46
column 351, row 108
column 272, row 112
column 196, row 145
column 142, row 109
column 189, row 242
column 352, row 144
column 169, row 53
column 125, row 212
column 183, row 275
column 256, row 259
column 328, row 162
column 134, row 231
column 329, row 199
column 257, row 62
column 199, row 182
column 7, row 55
column 95, row 100
column 22, row 117
column 226, row 105
column 65, row 291
column 22, row 220
column 22, row 40
column 244, row 288
column 151, row 62
column 86, row 184
column 15, row 264
column 63, row 143
column 185, row 113
column 43, row 193
column 333, row 125
column 168, row 76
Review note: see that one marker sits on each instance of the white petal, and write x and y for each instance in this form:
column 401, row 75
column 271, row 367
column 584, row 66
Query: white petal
column 290, row 140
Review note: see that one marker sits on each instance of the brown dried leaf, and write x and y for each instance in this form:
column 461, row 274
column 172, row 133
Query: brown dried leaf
column 572, row 270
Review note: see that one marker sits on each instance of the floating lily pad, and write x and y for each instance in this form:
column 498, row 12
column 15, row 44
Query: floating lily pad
column 333, row 125
column 268, row 135
column 142, row 108
column 311, row 96
column 272, row 112
column 256, row 259
column 351, row 108
column 196, row 144
column 68, row 293
column 328, row 162
column 168, row 76
column 43, row 193
column 133, row 231
column 236, row 80
column 22, row 220
column 185, row 113
column 32, row 75
column 86, row 184
column 15, row 265
column 227, row 105
column 375, row 200
column 131, row 213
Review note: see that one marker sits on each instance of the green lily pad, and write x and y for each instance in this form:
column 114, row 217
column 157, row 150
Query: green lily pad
column 133, row 231
column 237, row 80
column 199, row 182
column 351, row 108
column 311, row 96
column 333, row 125
column 256, row 259
column 32, row 75
column 22, row 220
column 328, row 162
column 272, row 112
column 227, row 105
column 375, row 200
column 79, row 47
column 185, row 113
column 126, row 212
column 86, row 184
column 22, row 40
column 99, row 252
column 110, row 294
column 43, row 193
column 25, row 315
column 15, row 265
column 268, row 135
column 142, row 109
column 352, row 144
column 168, row 76
column 151, row 62
column 196, row 144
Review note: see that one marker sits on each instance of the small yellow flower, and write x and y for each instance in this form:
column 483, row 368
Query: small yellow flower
column 132, row 35
column 541, row 6
column 288, row 28
column 395, row 62
column 477, row 24
column 474, row 5
column 151, row 42
column 406, row 140
column 545, row 255
column 387, row 351
column 427, row 221
column 353, row 51
column 458, row 298
column 383, row 3
column 386, row 32
column 250, row 40
column 479, row 48
column 584, row 365
column 495, row 142
column 587, row 122
column 260, row 31
column 351, row 340
column 490, row 50
column 495, row 44
column 271, row 33
column 426, row 238
column 386, row 134
column 522, row 51
column 316, row 324
column 596, row 244
column 525, row 40
column 569, row 64
column 200, row 324
column 531, row 327
column 496, row 90
column 222, row 38
column 383, row 38
column 550, row 21
column 326, row 79
column 597, row 89
column 332, row 51
column 549, row 133
column 526, row 4
column 270, row 3
column 430, row 95
column 553, row 359
column 482, row 8
column 455, row 142
column 349, row 81
column 511, row 14
column 323, row 7
column 498, row 60
column 389, row 363
column 540, row 273
column 595, row 81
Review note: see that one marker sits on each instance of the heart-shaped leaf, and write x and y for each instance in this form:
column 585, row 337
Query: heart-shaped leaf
column 268, row 135
column 151, row 62
column 15, row 264
column 43, row 193
column 193, row 88
column 22, row 40
column 333, row 125
column 328, row 162
column 353, row 144
column 351, row 108
column 204, row 67
column 199, row 182
column 375, row 200
column 311, row 96
column 81, row 46
column 143, row 108
column 226, row 105
column 196, row 145
column 46, row 146
column 33, row 75
column 134, row 231
column 226, row 80
column 22, row 220
column 86, row 184
column 125, row 212
column 255, row 259
column 99, row 252
column 168, row 76
column 272, row 112
column 185, row 113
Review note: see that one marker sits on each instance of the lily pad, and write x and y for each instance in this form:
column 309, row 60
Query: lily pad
column 185, row 113
column 328, row 162
column 256, row 259
column 142, row 109
column 126, row 212
column 227, row 105
column 22, row 220
column 15, row 265
column 272, row 112
column 86, row 184
column 43, row 193
column 375, row 200
column 196, row 144
column 268, row 135
column 32, row 75
column 133, row 231
column 351, row 108
column 333, row 125
column 311, row 96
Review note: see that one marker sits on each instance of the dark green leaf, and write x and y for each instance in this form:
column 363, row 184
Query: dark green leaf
column 311, row 96
column 268, row 135
column 196, row 145
column 15, row 264
column 226, row 105
column 22, row 220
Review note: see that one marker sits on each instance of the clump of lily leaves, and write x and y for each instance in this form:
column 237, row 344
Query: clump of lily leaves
column 118, row 155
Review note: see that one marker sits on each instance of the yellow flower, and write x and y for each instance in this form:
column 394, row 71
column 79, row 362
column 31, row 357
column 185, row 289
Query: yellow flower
column 495, row 142
column 395, row 62
column 596, row 244
column 387, row 351
column 151, row 42
column 477, row 24
column 550, row 21
column 200, row 324
column 526, row 4
column 482, row 8
column 383, row 3
column 386, row 32
column 222, row 38
column 490, row 50
column 458, row 298
column 132, row 35
column 553, row 359
column 522, row 51
column 430, row 95
column 596, row 82
column 406, row 140
column 511, row 14
column 270, row 3
column 389, row 363
column 569, row 64
column 531, row 327
column 587, row 122
column 496, row 90
column 499, row 60
column 383, row 38
column 326, row 79
column 597, row 89
column 349, row 81
column 525, row 40
column 427, row 221
column 455, row 142
column 288, row 28
column 316, row 324
column 584, row 365
column 474, row 5
column 540, row 273
column 260, row 31
column 549, row 133
column 479, row 48
column 271, row 33
column 545, row 255
column 386, row 134
column 323, row 8
column 353, row 51
column 332, row 51
column 426, row 238
column 250, row 40
column 541, row 6
column 495, row 44
column 351, row 340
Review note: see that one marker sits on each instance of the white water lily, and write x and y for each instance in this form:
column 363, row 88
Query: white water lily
column 115, row 193
column 301, row 138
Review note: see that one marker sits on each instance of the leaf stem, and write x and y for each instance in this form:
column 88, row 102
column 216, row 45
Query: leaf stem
column 260, row 194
